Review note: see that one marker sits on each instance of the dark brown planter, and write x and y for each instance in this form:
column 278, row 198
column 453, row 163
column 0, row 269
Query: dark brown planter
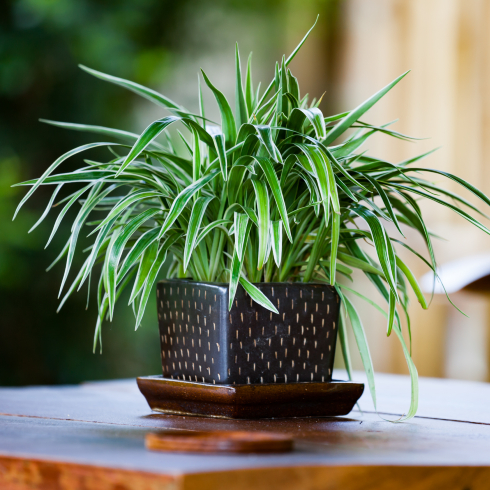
column 202, row 341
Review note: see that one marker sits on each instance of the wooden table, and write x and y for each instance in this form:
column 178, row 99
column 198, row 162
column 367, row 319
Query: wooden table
column 91, row 437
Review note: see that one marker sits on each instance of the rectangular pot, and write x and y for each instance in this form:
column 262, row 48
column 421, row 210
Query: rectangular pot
column 202, row 341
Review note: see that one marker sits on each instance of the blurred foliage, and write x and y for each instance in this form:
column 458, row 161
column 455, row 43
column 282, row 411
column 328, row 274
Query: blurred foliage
column 41, row 44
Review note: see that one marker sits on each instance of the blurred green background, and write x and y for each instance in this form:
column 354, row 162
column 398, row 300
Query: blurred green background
column 159, row 43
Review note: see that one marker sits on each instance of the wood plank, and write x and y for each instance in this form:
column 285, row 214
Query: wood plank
column 35, row 474
column 365, row 440
column 32, row 474
column 88, row 436
column 446, row 399
column 344, row 478
column 121, row 402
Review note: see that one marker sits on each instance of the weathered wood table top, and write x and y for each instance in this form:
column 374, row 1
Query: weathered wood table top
column 91, row 436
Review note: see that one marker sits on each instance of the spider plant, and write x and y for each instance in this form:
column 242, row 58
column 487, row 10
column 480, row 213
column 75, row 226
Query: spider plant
column 276, row 192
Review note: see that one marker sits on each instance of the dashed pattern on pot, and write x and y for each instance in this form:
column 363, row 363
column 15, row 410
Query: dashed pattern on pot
column 202, row 341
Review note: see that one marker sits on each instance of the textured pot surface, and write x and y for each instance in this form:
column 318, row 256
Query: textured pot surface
column 202, row 341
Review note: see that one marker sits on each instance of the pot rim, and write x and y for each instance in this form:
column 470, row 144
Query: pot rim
column 225, row 284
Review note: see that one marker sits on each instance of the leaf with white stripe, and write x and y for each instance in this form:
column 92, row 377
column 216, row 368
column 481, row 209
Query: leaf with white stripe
column 197, row 215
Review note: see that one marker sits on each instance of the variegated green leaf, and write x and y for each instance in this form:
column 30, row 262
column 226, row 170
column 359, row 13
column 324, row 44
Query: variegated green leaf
column 263, row 213
column 276, row 240
column 195, row 221
column 257, row 295
column 227, row 119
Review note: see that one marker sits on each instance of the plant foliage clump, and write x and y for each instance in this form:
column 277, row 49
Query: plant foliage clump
column 272, row 193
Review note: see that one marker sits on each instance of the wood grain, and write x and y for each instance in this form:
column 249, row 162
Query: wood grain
column 92, row 436
column 223, row 441
column 119, row 401
column 345, row 478
column 36, row 474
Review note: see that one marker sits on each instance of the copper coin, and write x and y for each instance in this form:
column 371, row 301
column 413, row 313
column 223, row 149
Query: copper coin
column 218, row 442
